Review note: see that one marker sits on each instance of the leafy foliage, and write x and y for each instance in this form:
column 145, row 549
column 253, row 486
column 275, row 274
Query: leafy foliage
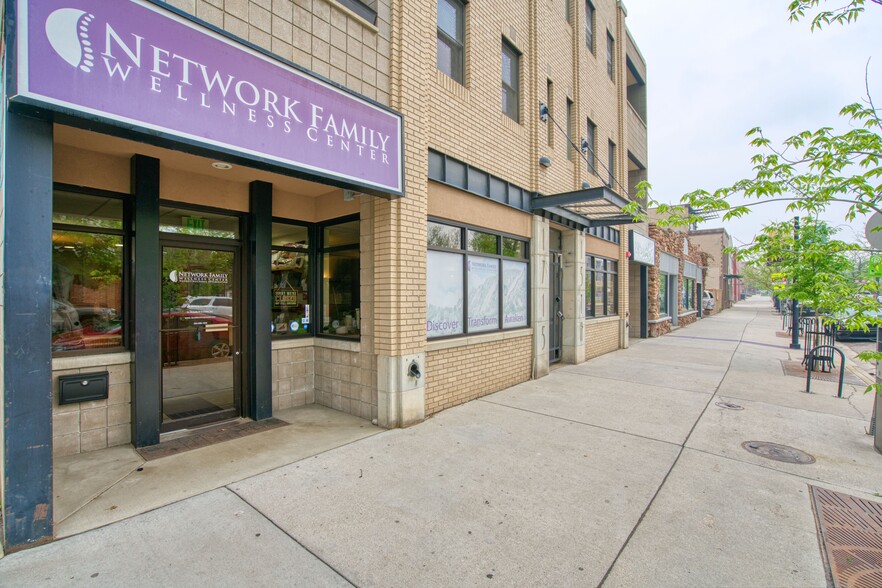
column 842, row 15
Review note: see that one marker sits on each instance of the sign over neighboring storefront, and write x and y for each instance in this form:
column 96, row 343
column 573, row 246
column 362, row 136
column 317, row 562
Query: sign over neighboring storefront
column 642, row 248
column 134, row 64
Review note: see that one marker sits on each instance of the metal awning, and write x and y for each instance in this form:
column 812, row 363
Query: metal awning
column 592, row 207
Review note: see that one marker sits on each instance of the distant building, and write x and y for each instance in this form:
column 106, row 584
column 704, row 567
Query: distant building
column 722, row 266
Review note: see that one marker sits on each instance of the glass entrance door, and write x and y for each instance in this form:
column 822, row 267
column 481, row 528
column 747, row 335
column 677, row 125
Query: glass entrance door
column 199, row 336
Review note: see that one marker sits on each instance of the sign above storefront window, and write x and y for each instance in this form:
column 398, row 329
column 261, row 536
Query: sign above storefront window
column 642, row 248
column 136, row 65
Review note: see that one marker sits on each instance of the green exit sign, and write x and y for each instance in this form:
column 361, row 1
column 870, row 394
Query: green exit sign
column 193, row 222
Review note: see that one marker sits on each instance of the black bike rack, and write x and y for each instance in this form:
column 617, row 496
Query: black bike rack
column 811, row 365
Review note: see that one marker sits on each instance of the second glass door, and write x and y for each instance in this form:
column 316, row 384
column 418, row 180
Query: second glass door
column 199, row 336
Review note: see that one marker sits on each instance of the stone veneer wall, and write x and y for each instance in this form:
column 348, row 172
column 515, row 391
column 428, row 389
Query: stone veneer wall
column 672, row 243
column 89, row 426
column 457, row 373
column 345, row 379
column 293, row 373
column 601, row 336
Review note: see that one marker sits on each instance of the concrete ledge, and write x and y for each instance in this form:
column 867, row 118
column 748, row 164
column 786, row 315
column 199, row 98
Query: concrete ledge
column 666, row 319
column 601, row 320
column 86, row 361
column 337, row 344
column 477, row 339
column 294, row 343
column 688, row 313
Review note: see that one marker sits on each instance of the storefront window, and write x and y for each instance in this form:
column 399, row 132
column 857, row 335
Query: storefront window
column 88, row 244
column 492, row 282
column 688, row 294
column 341, row 283
column 290, row 283
column 601, row 287
column 662, row 294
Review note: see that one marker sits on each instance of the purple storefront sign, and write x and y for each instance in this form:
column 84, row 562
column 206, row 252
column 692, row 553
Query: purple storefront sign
column 139, row 64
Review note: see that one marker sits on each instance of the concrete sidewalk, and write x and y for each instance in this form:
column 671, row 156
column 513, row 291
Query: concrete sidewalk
column 622, row 471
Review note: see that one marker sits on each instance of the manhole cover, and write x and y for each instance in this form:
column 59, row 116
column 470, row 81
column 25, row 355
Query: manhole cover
column 729, row 405
column 778, row 452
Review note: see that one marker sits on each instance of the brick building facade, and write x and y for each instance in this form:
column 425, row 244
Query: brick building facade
column 357, row 204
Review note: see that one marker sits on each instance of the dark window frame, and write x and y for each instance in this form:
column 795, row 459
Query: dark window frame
column 610, row 56
column 609, row 272
column 465, row 252
column 688, row 294
column 458, row 43
column 591, row 137
column 312, row 257
column 589, row 27
column 126, row 233
column 515, row 91
column 612, row 164
column 321, row 250
column 571, row 123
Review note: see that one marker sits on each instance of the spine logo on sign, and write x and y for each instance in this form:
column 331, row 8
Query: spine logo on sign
column 68, row 32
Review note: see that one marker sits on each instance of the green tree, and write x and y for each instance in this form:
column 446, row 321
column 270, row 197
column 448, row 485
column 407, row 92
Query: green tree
column 809, row 170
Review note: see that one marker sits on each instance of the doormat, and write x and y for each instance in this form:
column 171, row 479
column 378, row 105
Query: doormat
column 796, row 369
column 190, row 407
column 209, row 436
column 851, row 538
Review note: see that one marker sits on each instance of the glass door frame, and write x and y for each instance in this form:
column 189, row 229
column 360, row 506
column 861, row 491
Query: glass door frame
column 237, row 338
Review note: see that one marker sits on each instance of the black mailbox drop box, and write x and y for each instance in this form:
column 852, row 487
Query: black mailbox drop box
column 82, row 387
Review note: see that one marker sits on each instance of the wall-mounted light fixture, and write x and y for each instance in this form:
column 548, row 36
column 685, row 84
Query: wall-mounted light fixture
column 348, row 195
column 543, row 112
column 585, row 185
column 545, row 161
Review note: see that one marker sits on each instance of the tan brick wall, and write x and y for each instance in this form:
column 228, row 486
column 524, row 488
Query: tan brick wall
column 320, row 35
column 459, row 374
column 89, row 426
column 601, row 336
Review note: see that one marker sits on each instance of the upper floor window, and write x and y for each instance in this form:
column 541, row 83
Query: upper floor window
column 591, row 138
column 589, row 25
column 451, row 38
column 511, row 83
column 549, row 102
column 571, row 152
column 612, row 164
column 610, row 56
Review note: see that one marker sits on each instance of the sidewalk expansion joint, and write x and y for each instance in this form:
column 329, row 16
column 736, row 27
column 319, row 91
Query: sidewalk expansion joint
column 290, row 536
column 676, row 458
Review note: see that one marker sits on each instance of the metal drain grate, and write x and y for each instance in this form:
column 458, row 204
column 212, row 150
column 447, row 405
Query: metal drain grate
column 778, row 452
column 851, row 536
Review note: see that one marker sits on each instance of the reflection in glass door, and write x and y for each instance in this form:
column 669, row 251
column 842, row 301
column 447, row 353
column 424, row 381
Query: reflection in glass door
column 198, row 336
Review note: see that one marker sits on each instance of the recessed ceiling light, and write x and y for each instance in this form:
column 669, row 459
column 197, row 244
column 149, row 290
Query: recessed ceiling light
column 221, row 165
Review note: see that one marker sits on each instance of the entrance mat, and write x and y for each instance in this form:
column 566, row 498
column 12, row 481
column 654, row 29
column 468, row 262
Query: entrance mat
column 851, row 538
column 189, row 407
column 796, row 369
column 209, row 436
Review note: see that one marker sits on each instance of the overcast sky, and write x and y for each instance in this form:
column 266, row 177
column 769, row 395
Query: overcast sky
column 717, row 68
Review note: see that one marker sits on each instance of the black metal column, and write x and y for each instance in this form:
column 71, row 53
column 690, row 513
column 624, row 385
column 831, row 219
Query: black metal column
column 147, row 311
column 644, row 302
column 258, row 352
column 27, row 332
column 794, row 328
